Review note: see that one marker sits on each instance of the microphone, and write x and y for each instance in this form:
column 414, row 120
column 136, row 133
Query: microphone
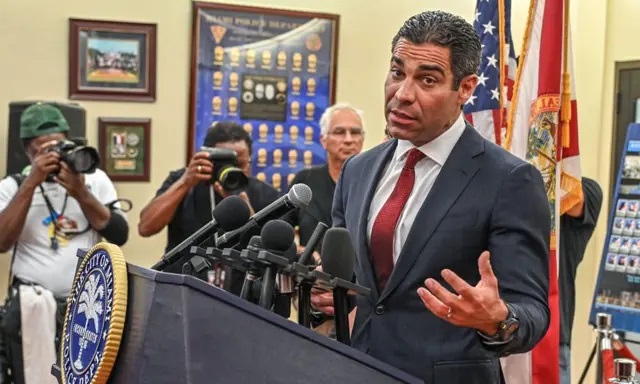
column 304, row 289
column 312, row 244
column 338, row 258
column 253, row 272
column 277, row 237
column 230, row 214
column 298, row 196
column 282, row 300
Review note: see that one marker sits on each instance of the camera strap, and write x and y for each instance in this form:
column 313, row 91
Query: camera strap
column 53, row 215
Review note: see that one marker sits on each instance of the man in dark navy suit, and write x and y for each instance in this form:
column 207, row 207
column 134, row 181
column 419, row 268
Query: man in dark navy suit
column 451, row 231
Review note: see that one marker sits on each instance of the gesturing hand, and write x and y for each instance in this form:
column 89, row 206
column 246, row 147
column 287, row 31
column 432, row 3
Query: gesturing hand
column 478, row 307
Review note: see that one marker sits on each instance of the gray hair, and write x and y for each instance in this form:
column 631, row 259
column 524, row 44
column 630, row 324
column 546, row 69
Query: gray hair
column 448, row 31
column 328, row 113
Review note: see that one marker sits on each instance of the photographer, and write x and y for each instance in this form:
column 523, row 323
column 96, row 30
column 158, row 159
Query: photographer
column 46, row 214
column 187, row 197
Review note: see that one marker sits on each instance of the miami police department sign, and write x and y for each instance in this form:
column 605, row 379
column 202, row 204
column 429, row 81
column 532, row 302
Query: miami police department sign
column 95, row 317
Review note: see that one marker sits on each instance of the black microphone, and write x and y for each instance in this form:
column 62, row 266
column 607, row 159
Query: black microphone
column 298, row 196
column 312, row 244
column 304, row 288
column 231, row 213
column 282, row 299
column 253, row 270
column 277, row 237
column 338, row 258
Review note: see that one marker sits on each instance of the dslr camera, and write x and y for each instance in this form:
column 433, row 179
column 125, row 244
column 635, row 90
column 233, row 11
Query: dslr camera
column 79, row 157
column 225, row 169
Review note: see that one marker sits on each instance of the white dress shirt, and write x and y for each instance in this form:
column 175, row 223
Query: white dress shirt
column 426, row 171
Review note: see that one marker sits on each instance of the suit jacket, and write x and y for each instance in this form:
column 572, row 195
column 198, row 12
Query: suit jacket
column 483, row 199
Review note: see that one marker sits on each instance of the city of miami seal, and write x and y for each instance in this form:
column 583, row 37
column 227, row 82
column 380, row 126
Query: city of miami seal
column 95, row 317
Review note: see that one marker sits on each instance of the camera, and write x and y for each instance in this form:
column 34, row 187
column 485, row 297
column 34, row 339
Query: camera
column 225, row 169
column 79, row 157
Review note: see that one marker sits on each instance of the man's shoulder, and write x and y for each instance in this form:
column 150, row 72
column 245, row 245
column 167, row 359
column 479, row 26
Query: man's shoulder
column 364, row 158
column 498, row 159
column 310, row 172
column 98, row 177
column 9, row 184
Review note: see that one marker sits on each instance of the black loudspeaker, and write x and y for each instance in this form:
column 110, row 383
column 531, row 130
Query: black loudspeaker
column 16, row 157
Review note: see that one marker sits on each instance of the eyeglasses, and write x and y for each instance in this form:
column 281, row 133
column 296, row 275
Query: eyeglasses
column 356, row 133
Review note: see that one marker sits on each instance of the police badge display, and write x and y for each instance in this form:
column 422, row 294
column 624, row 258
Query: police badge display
column 95, row 317
column 271, row 71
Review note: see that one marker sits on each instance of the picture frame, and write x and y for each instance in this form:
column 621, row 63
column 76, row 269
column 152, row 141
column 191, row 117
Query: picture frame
column 273, row 71
column 112, row 61
column 124, row 145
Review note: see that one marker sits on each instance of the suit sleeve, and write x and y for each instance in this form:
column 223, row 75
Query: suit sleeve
column 519, row 246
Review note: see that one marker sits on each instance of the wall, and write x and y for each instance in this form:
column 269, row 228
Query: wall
column 33, row 45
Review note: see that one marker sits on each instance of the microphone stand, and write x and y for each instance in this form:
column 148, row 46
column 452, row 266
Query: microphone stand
column 275, row 262
column 173, row 255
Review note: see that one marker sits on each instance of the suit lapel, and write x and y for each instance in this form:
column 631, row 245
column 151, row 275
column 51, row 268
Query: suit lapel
column 453, row 178
column 370, row 177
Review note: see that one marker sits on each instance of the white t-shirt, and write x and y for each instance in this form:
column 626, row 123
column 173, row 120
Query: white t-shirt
column 35, row 259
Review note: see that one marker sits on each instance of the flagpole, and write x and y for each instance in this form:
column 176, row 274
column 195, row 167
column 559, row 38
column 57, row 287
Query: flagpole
column 516, row 87
column 565, row 104
column 501, row 52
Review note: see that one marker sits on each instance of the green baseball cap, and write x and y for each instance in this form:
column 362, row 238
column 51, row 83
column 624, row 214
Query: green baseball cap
column 42, row 119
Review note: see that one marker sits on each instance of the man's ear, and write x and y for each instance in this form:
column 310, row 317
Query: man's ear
column 323, row 140
column 466, row 88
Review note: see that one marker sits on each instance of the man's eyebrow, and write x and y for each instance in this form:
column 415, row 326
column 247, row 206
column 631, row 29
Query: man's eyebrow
column 432, row 67
column 422, row 67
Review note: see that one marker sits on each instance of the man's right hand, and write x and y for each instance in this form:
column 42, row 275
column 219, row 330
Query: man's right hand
column 44, row 163
column 322, row 300
column 199, row 169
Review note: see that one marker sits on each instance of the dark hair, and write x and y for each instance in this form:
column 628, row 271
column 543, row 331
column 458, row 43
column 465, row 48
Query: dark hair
column 449, row 31
column 225, row 132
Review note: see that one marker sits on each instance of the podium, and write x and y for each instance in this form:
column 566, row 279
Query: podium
column 179, row 329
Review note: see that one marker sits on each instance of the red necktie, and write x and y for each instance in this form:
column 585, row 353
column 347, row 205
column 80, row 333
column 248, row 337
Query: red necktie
column 385, row 223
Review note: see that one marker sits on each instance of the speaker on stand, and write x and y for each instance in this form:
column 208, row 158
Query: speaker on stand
column 16, row 157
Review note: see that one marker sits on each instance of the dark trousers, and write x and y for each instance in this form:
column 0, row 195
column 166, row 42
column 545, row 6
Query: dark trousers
column 10, row 329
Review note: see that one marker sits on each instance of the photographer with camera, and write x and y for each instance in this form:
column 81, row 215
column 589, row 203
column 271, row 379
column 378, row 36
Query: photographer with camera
column 187, row 197
column 60, row 203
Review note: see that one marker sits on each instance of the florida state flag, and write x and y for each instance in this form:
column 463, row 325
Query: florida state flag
column 542, row 128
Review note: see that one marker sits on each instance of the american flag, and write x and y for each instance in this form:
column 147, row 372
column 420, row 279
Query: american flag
column 486, row 109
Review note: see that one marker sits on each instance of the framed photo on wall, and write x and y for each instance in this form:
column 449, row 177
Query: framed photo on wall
column 124, row 146
column 111, row 60
column 271, row 70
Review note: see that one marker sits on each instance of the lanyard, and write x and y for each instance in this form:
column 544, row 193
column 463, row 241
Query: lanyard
column 54, row 218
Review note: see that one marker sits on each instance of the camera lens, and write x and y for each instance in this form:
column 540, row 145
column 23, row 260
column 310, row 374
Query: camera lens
column 233, row 179
column 83, row 159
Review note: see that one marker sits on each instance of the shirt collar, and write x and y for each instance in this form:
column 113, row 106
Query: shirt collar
column 437, row 149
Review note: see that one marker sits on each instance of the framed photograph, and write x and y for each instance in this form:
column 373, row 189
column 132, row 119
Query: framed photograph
column 111, row 60
column 271, row 70
column 124, row 146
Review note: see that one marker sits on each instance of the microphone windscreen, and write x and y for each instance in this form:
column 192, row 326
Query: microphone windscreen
column 292, row 253
column 231, row 213
column 300, row 195
column 255, row 242
column 277, row 236
column 337, row 254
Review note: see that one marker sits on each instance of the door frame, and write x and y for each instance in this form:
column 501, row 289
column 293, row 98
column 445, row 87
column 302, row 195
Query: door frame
column 620, row 66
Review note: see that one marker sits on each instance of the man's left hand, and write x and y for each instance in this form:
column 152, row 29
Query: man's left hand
column 478, row 307
column 73, row 182
column 224, row 194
